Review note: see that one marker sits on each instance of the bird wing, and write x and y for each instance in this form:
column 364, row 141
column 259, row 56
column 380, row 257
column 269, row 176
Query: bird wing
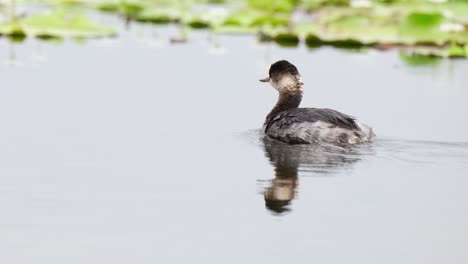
column 291, row 116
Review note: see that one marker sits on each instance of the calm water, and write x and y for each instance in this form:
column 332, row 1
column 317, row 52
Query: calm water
column 134, row 150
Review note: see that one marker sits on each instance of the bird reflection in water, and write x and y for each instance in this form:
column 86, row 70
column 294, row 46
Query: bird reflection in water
column 289, row 160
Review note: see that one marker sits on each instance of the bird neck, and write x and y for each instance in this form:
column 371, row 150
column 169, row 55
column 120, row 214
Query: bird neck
column 287, row 100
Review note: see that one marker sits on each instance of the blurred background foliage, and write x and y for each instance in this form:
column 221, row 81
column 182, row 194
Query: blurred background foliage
column 427, row 28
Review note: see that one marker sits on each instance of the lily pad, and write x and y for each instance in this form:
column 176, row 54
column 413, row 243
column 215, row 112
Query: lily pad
column 160, row 15
column 129, row 9
column 56, row 24
column 423, row 28
column 387, row 25
column 285, row 6
column 12, row 29
column 420, row 27
column 366, row 29
column 311, row 5
column 201, row 19
column 457, row 10
column 313, row 41
column 287, row 40
column 234, row 29
column 345, row 27
column 254, row 21
column 417, row 60
column 254, row 18
column 452, row 51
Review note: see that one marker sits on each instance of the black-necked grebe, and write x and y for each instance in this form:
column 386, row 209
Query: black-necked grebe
column 290, row 124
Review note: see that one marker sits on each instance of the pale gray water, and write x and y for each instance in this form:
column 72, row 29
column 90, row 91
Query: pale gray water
column 137, row 151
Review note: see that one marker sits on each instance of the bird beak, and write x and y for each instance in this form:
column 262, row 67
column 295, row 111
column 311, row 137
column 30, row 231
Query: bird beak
column 265, row 80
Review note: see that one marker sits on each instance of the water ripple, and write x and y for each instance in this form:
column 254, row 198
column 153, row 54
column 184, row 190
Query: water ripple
column 325, row 160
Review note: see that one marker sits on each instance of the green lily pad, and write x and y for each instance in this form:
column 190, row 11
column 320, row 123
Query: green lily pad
column 160, row 15
column 365, row 29
column 343, row 27
column 287, row 40
column 12, row 29
column 254, row 21
column 457, row 10
column 431, row 28
column 422, row 28
column 51, row 39
column 56, row 24
column 234, row 29
column 306, row 29
column 201, row 19
column 311, row 5
column 130, row 9
column 17, row 38
column 346, row 27
column 285, row 6
column 451, row 51
column 255, row 18
column 417, row 60
column 312, row 41
column 244, row 18
column 199, row 24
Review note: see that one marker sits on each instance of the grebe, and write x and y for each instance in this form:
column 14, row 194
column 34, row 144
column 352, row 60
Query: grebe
column 290, row 124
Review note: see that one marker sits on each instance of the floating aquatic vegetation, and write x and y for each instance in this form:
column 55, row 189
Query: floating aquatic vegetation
column 417, row 60
column 427, row 28
column 360, row 26
column 12, row 29
column 159, row 15
column 390, row 26
column 281, row 37
column 55, row 24
column 125, row 8
column 450, row 51
column 432, row 28
column 346, row 24
column 279, row 6
column 248, row 20
column 311, row 5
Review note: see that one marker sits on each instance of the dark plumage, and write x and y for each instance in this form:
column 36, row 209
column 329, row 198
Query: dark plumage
column 290, row 124
column 298, row 115
column 282, row 67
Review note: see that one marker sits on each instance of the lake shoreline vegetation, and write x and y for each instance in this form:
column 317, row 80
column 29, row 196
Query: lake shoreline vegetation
column 418, row 28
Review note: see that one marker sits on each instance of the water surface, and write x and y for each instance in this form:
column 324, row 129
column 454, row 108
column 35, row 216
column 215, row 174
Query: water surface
column 135, row 150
